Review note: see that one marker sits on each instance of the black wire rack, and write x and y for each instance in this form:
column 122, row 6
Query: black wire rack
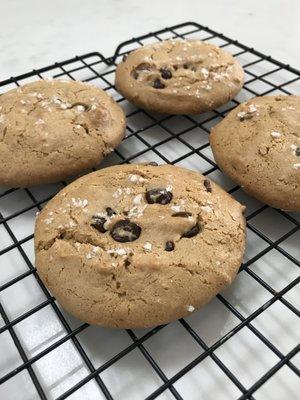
column 218, row 355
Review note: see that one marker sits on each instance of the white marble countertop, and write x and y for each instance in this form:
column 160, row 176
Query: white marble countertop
column 35, row 33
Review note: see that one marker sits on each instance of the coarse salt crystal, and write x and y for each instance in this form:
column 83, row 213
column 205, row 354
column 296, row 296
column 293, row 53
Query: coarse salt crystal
column 176, row 208
column 169, row 188
column 205, row 72
column 241, row 114
column 190, row 308
column 40, row 121
column 136, row 178
column 80, row 108
column 147, row 246
column 252, row 108
column 275, row 134
column 118, row 251
column 207, row 209
column 138, row 199
column 117, row 193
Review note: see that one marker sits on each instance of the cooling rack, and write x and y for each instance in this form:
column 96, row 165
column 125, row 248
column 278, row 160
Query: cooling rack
column 243, row 345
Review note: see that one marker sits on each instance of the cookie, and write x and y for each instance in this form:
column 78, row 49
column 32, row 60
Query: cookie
column 139, row 245
column 179, row 77
column 52, row 129
column 258, row 146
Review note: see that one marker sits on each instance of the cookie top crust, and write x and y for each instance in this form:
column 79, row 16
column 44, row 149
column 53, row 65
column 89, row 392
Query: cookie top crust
column 139, row 245
column 179, row 77
column 51, row 129
column 258, row 146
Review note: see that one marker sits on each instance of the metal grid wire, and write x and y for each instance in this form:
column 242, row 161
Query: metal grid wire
column 264, row 75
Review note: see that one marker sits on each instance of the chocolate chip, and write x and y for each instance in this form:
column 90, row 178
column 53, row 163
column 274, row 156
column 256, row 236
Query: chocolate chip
column 98, row 223
column 153, row 163
column 125, row 231
column 192, row 232
column 169, row 246
column 297, row 152
column 157, row 84
column 124, row 58
column 165, row 73
column 185, row 66
column 110, row 212
column 182, row 214
column 207, row 185
column 160, row 196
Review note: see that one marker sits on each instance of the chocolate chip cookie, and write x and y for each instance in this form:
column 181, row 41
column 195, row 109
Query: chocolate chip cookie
column 139, row 245
column 179, row 77
column 258, row 146
column 52, row 129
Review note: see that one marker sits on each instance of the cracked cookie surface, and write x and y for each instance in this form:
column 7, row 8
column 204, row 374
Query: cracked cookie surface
column 52, row 129
column 179, row 77
column 139, row 245
column 258, row 146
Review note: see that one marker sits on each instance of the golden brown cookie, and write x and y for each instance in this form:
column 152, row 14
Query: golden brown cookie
column 179, row 77
column 258, row 146
column 139, row 245
column 52, row 129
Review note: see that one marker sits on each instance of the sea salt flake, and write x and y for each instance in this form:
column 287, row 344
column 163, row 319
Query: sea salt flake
column 136, row 178
column 137, row 199
column 79, row 108
column 296, row 166
column 48, row 220
column 137, row 211
column 205, row 72
column 169, row 188
column 190, row 308
column 23, row 102
column 241, row 114
column 72, row 224
column 206, row 209
column 40, row 121
column 275, row 134
column 119, row 251
column 32, row 94
column 252, row 108
column 177, row 208
column 79, row 202
column 117, row 193
column 2, row 119
column 147, row 246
